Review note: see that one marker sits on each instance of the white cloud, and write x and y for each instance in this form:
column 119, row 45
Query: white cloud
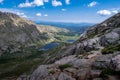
column 25, row 5
column 56, row 3
column 107, row 12
column 14, row 11
column 41, row 3
column 18, row 12
column 38, row 14
column 67, row 1
column 115, row 11
column 92, row 4
column 104, row 12
column 64, row 9
column 1, row 1
column 46, row 15
column 38, row 2
column 32, row 4
column 21, row 14
column 6, row 10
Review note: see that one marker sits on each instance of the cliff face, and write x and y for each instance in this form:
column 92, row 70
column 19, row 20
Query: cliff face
column 95, row 56
column 16, row 31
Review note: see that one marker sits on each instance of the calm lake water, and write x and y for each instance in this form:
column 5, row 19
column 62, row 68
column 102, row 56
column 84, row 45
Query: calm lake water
column 53, row 45
column 49, row 46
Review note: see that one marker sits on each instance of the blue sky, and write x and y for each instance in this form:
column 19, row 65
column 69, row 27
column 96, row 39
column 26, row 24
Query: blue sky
column 92, row 11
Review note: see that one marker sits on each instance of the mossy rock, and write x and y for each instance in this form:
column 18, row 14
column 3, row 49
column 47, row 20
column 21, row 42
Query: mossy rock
column 64, row 66
column 107, row 72
column 111, row 49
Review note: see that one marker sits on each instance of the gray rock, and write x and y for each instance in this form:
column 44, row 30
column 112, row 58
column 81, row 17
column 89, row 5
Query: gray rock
column 23, row 77
column 64, row 76
column 83, row 74
column 115, row 63
column 108, row 61
column 95, row 73
column 103, row 61
column 40, row 73
column 110, row 38
column 81, row 63
column 117, row 30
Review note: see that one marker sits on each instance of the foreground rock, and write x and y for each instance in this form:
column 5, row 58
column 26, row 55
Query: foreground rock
column 67, row 68
column 115, row 63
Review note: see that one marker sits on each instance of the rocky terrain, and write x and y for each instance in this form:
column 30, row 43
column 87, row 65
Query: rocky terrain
column 95, row 56
column 17, row 33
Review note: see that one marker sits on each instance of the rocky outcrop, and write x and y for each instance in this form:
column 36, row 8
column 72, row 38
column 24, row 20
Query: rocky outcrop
column 115, row 63
column 41, row 73
column 110, row 38
column 108, row 61
column 64, row 76
column 72, row 68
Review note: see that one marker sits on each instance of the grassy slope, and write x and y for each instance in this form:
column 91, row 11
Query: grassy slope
column 60, row 34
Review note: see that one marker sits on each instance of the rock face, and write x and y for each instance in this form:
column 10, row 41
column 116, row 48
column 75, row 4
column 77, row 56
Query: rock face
column 16, row 32
column 105, row 61
column 40, row 73
column 110, row 38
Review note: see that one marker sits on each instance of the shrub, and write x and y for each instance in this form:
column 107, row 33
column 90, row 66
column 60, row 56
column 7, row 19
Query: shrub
column 106, row 72
column 62, row 67
column 51, row 72
column 111, row 49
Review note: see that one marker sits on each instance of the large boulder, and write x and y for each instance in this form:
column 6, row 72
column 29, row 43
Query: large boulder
column 81, row 63
column 41, row 73
column 110, row 38
column 110, row 61
column 64, row 76
column 95, row 73
column 103, row 61
column 115, row 63
column 82, row 74
column 117, row 30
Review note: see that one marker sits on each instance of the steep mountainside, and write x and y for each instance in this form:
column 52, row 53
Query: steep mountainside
column 102, row 28
column 51, row 29
column 17, row 33
column 95, row 56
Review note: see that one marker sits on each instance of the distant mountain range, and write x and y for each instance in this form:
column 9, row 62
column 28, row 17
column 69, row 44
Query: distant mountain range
column 74, row 27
